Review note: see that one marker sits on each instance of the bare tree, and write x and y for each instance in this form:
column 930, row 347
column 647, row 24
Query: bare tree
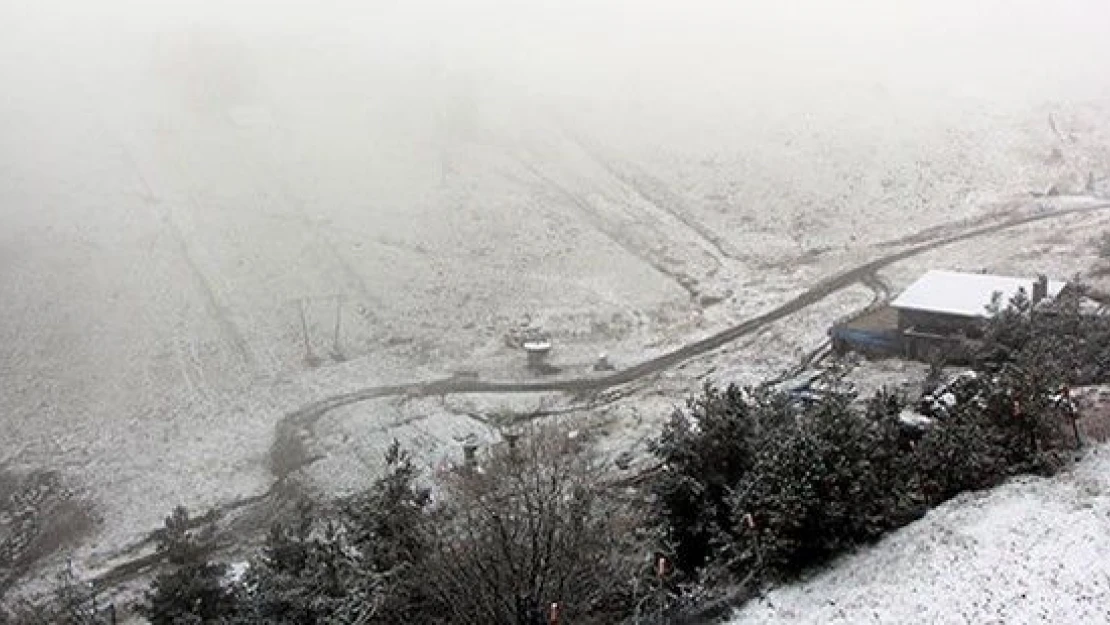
column 536, row 529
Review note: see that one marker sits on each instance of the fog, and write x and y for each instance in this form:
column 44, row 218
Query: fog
column 215, row 212
column 614, row 59
column 391, row 72
column 359, row 79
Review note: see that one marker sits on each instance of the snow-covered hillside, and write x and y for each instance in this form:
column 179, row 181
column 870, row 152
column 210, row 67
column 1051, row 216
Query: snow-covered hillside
column 1032, row 551
column 216, row 214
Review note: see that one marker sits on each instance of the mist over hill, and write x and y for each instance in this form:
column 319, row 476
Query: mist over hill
column 216, row 213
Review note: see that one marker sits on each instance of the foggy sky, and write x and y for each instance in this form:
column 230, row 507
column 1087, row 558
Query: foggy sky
column 355, row 83
column 380, row 90
column 662, row 56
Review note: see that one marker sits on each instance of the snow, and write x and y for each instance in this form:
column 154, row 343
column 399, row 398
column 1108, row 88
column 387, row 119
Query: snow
column 174, row 253
column 1031, row 551
column 914, row 419
column 965, row 294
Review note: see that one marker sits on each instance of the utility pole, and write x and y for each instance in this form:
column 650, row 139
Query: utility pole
column 309, row 357
column 336, row 352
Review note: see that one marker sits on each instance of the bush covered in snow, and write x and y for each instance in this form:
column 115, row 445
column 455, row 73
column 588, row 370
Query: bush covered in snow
column 194, row 590
column 766, row 488
column 990, row 427
column 823, row 481
column 1066, row 342
column 350, row 563
column 706, row 449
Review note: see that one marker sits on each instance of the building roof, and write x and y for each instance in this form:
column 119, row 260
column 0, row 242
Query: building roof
column 964, row 294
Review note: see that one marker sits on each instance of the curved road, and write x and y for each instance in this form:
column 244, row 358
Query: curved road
column 308, row 414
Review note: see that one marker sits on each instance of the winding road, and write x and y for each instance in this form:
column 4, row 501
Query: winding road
column 304, row 417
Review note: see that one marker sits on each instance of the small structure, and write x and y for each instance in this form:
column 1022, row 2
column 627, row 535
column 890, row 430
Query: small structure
column 536, row 344
column 943, row 308
column 511, row 436
column 470, row 445
column 937, row 314
column 950, row 299
column 537, row 350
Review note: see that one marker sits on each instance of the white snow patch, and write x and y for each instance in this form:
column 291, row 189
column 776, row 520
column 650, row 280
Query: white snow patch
column 914, row 419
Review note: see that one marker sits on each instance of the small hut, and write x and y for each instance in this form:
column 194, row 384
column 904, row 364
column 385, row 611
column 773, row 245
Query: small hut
column 537, row 349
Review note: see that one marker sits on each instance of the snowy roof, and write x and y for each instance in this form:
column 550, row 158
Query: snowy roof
column 964, row 294
column 537, row 345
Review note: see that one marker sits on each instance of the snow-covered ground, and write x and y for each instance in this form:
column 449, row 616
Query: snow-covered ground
column 1031, row 551
column 193, row 193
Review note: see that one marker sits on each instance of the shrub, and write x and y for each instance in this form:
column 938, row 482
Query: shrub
column 770, row 488
column 832, row 478
column 350, row 564
column 998, row 425
column 1062, row 342
column 704, row 451
column 750, row 479
column 533, row 525
column 305, row 574
column 194, row 591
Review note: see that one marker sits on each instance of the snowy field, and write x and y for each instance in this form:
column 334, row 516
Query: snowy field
column 214, row 214
column 1031, row 551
